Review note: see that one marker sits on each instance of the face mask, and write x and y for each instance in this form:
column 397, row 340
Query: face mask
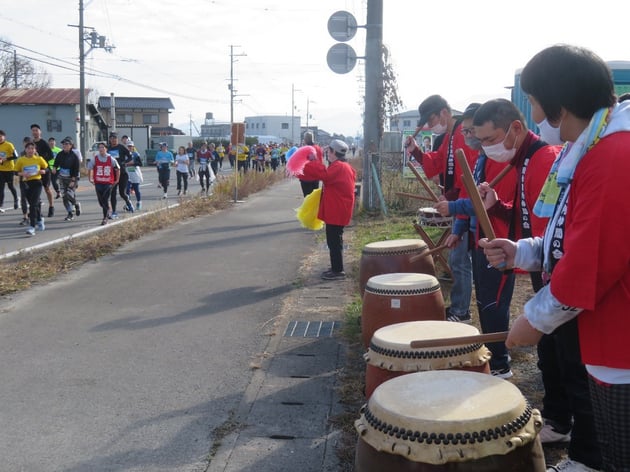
column 498, row 152
column 473, row 143
column 548, row 133
column 438, row 129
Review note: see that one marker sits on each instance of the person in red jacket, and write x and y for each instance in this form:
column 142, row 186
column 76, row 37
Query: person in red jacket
column 337, row 201
column 585, row 249
column 437, row 115
column 307, row 184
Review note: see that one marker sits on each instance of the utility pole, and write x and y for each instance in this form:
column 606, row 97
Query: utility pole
column 232, row 95
column 96, row 42
column 373, row 95
column 15, row 68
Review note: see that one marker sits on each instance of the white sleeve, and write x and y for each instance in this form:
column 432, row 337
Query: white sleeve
column 545, row 313
column 529, row 254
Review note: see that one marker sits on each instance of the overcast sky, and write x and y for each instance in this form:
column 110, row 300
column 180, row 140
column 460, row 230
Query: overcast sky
column 464, row 50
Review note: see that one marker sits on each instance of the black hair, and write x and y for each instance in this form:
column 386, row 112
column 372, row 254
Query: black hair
column 35, row 125
column 569, row 77
column 624, row 97
column 500, row 112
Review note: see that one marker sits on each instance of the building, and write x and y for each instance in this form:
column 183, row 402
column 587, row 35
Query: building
column 621, row 79
column 56, row 111
column 214, row 130
column 286, row 128
column 139, row 111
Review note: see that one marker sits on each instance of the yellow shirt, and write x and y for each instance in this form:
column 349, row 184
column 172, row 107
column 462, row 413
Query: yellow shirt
column 31, row 166
column 7, row 150
column 242, row 153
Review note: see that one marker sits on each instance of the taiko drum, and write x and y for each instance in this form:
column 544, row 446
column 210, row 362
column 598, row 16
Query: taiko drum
column 399, row 297
column 447, row 420
column 397, row 255
column 390, row 354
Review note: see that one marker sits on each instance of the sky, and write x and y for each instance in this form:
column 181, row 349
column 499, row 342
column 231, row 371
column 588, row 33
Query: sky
column 463, row 50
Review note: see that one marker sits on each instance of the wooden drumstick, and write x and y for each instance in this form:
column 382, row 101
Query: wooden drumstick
column 430, row 252
column 473, row 194
column 422, row 181
column 413, row 195
column 460, row 340
column 500, row 175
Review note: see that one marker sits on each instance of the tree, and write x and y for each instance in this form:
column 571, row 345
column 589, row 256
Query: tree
column 19, row 72
column 390, row 100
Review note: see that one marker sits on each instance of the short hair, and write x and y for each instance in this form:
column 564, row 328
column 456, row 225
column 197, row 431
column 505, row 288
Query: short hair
column 624, row 97
column 569, row 77
column 501, row 112
column 35, row 125
column 308, row 138
column 2, row 132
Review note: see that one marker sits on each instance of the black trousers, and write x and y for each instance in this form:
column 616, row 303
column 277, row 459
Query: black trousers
column 334, row 240
column 308, row 186
column 567, row 394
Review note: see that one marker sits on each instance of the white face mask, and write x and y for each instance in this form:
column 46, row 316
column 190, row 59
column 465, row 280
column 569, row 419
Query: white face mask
column 548, row 133
column 498, row 152
column 438, row 129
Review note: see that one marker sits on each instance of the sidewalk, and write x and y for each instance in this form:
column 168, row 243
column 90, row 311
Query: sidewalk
column 282, row 421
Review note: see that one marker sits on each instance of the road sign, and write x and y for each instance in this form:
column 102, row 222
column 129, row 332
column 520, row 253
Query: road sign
column 341, row 58
column 342, row 26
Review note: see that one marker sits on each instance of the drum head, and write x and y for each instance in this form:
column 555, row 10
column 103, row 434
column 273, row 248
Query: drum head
column 403, row 283
column 447, row 416
column 395, row 246
column 390, row 347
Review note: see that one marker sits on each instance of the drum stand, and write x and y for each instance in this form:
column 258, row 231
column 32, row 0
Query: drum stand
column 437, row 256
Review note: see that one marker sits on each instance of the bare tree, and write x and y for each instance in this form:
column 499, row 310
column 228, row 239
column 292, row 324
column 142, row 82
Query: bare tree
column 19, row 72
column 391, row 101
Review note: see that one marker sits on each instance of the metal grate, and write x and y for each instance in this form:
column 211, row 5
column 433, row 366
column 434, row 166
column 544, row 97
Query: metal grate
column 311, row 329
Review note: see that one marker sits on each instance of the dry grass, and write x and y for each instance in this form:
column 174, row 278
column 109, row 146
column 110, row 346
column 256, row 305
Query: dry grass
column 29, row 268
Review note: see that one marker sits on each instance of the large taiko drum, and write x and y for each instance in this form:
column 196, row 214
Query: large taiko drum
column 399, row 297
column 429, row 216
column 396, row 255
column 390, row 354
column 448, row 420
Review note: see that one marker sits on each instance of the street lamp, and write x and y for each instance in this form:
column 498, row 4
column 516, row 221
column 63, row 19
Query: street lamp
column 293, row 90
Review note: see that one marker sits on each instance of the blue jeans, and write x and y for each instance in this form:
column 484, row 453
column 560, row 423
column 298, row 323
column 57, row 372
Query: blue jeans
column 461, row 267
column 493, row 290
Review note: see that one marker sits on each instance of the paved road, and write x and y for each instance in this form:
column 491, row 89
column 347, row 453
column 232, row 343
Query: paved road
column 13, row 237
column 131, row 363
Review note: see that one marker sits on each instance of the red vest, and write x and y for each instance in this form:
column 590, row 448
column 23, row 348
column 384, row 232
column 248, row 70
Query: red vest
column 104, row 171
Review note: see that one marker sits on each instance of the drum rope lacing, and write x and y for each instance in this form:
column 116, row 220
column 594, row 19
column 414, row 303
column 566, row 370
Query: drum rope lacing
column 401, row 291
column 393, row 252
column 417, row 354
column 489, row 434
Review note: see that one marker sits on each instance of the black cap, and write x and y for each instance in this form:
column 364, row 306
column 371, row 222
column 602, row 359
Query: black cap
column 470, row 110
column 431, row 105
column 113, row 135
column 68, row 140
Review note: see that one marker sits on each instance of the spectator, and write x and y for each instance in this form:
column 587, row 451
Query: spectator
column 337, row 201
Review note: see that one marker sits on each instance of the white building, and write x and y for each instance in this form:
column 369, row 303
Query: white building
column 286, row 128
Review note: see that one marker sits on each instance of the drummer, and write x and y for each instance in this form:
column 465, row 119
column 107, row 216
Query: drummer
column 493, row 288
column 437, row 115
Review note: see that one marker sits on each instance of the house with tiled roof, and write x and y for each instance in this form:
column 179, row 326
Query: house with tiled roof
column 55, row 110
column 140, row 111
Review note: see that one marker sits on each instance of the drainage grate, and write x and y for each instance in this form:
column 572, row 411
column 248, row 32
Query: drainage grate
column 311, row 329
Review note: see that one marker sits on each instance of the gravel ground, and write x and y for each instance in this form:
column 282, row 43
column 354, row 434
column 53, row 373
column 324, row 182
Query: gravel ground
column 526, row 377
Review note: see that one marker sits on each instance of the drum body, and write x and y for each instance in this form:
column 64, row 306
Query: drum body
column 431, row 217
column 399, row 297
column 390, row 354
column 397, row 255
column 448, row 421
